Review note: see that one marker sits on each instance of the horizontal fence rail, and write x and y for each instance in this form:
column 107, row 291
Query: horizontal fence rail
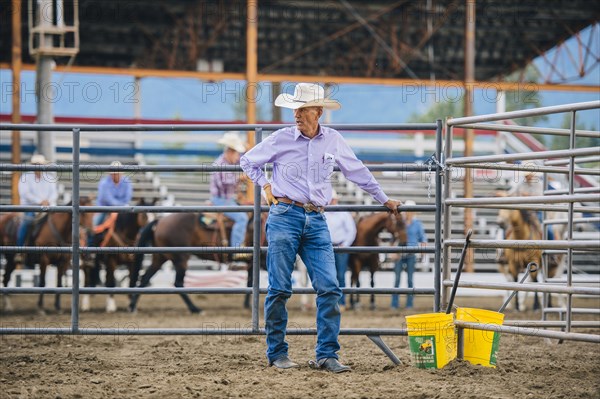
column 524, row 113
column 535, row 332
column 208, row 127
column 202, row 290
column 206, row 250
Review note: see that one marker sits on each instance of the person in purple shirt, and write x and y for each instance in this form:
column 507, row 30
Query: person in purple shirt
column 303, row 158
column 113, row 190
column 223, row 186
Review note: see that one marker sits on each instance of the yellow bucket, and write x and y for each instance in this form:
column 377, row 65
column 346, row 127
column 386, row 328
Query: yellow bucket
column 431, row 339
column 480, row 347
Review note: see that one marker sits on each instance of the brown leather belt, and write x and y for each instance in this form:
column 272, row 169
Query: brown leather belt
column 308, row 207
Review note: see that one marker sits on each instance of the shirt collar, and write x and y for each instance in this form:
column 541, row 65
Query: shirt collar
column 298, row 133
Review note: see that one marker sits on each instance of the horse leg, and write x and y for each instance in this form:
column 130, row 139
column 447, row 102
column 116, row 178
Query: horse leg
column 536, row 300
column 157, row 262
column 372, row 306
column 10, row 267
column 111, row 264
column 42, row 283
column 180, row 269
column 60, row 272
column 249, row 283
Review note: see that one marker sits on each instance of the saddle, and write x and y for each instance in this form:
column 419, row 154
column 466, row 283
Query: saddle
column 34, row 230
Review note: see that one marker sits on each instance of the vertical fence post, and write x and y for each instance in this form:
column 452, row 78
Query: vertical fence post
column 256, row 245
column 75, row 235
column 572, row 145
column 447, row 209
column 438, row 217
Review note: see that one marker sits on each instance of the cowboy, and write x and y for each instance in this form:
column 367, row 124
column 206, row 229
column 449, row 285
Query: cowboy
column 415, row 236
column 530, row 186
column 113, row 190
column 303, row 158
column 342, row 229
column 35, row 188
column 223, row 186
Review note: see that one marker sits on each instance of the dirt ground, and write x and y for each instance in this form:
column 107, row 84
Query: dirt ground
column 235, row 366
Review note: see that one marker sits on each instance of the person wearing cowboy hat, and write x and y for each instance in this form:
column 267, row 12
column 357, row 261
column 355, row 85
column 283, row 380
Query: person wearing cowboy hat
column 303, row 158
column 223, row 186
column 113, row 190
column 35, row 188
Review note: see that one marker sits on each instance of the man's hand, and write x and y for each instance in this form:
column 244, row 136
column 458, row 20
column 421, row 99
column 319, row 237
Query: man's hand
column 45, row 203
column 393, row 205
column 271, row 200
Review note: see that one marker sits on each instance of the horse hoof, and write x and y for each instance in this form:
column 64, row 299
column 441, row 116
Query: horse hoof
column 41, row 312
column 111, row 305
column 7, row 305
column 85, row 303
column 198, row 312
column 132, row 310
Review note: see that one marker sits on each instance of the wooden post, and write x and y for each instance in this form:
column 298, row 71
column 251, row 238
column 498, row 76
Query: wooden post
column 251, row 75
column 16, row 96
column 469, row 136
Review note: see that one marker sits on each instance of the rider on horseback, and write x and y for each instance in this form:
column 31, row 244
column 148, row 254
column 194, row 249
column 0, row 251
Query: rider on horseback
column 35, row 188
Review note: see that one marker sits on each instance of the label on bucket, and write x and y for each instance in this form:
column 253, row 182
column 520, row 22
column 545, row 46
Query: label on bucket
column 423, row 351
column 495, row 346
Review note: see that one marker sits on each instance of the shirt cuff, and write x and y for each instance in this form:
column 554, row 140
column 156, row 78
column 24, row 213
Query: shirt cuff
column 381, row 197
column 262, row 181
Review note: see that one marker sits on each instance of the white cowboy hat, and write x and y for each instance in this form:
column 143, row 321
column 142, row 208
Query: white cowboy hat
column 38, row 159
column 306, row 95
column 116, row 163
column 232, row 140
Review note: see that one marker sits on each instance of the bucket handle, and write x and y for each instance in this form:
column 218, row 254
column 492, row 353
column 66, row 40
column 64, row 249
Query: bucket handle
column 531, row 267
column 459, row 271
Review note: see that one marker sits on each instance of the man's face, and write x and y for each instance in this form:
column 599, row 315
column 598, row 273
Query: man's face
column 116, row 177
column 232, row 155
column 307, row 119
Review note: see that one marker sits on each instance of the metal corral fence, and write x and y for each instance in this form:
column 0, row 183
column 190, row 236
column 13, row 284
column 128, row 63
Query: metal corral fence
column 433, row 165
column 544, row 203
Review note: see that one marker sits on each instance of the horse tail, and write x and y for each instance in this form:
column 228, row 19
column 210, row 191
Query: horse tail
column 146, row 239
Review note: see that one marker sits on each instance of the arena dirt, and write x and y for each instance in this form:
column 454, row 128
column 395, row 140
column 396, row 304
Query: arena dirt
column 235, row 366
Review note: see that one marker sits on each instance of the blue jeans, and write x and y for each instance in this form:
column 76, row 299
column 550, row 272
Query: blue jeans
column 341, row 264
column 26, row 223
column 408, row 263
column 240, row 221
column 289, row 231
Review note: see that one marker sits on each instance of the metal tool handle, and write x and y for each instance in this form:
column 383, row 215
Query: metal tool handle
column 459, row 271
column 531, row 267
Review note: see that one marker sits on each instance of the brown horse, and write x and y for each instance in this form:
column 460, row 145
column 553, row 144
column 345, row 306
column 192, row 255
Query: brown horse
column 123, row 232
column 367, row 233
column 181, row 230
column 55, row 231
column 522, row 225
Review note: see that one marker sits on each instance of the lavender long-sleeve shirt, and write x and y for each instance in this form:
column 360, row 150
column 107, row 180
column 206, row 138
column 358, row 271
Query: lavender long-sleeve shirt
column 302, row 167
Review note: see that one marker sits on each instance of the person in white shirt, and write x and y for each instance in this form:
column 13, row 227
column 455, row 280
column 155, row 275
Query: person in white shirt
column 35, row 188
column 342, row 229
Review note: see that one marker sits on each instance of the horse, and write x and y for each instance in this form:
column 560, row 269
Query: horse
column 183, row 230
column 121, row 230
column 521, row 225
column 367, row 233
column 54, row 230
column 9, row 225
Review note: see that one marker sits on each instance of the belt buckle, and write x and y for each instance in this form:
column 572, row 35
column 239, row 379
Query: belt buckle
column 307, row 207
